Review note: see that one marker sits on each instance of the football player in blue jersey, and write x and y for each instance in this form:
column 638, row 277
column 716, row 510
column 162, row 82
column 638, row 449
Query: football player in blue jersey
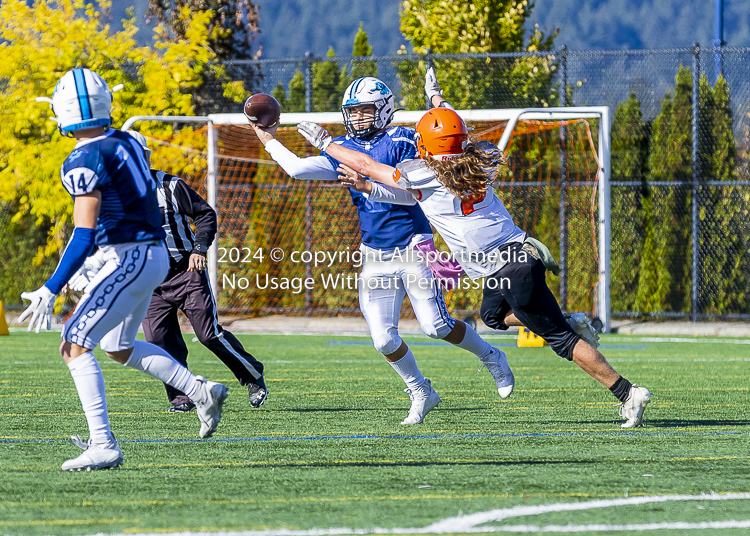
column 115, row 208
column 391, row 236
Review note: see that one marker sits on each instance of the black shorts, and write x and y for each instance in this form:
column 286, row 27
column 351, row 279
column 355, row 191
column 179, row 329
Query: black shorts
column 522, row 287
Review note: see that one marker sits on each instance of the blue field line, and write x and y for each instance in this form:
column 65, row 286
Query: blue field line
column 398, row 436
column 506, row 345
column 410, row 343
column 369, row 343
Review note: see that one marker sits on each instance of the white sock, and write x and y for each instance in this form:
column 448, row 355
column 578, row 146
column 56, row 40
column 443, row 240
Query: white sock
column 474, row 343
column 408, row 370
column 90, row 386
column 155, row 362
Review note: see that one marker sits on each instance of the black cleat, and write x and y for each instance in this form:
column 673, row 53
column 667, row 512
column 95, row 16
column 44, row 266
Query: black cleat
column 258, row 392
column 185, row 407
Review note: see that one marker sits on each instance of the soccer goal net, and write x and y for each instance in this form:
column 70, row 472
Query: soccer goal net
column 288, row 246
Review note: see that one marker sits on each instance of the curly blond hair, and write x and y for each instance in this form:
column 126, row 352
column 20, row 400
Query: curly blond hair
column 470, row 173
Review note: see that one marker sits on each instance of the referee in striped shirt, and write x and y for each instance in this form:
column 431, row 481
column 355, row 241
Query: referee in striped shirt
column 186, row 288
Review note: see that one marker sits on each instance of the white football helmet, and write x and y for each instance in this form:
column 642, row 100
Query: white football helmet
column 363, row 91
column 81, row 100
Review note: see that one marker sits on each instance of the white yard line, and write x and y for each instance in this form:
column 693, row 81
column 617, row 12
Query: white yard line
column 475, row 523
column 464, row 523
column 563, row 529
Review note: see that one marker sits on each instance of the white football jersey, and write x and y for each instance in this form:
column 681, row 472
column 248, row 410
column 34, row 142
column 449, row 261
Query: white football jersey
column 472, row 228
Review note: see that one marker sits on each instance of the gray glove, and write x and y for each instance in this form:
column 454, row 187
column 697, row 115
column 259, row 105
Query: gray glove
column 315, row 134
column 544, row 255
column 431, row 86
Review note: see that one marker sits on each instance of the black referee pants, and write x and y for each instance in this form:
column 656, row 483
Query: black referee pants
column 190, row 293
column 527, row 294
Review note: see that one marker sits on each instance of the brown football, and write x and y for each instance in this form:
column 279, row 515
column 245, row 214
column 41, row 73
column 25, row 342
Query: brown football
column 263, row 110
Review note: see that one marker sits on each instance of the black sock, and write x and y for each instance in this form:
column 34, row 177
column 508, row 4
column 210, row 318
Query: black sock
column 621, row 389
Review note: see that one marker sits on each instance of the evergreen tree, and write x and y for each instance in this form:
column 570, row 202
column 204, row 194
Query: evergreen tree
column 628, row 161
column 344, row 81
column 650, row 296
column 724, row 260
column 326, row 81
column 665, row 279
column 676, row 215
column 362, row 48
column 329, row 83
column 296, row 100
column 280, row 95
column 360, row 68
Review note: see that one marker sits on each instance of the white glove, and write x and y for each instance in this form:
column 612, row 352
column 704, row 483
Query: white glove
column 40, row 309
column 431, row 86
column 87, row 271
column 315, row 134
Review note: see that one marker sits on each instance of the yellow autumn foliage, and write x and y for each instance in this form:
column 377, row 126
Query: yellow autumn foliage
column 477, row 27
column 39, row 44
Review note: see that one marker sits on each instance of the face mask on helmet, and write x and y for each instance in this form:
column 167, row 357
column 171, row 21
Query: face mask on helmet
column 81, row 100
column 364, row 91
column 441, row 132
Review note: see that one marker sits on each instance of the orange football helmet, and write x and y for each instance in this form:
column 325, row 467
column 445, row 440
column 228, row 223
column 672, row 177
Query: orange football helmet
column 441, row 131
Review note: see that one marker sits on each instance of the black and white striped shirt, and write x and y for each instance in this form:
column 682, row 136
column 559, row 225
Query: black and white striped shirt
column 178, row 204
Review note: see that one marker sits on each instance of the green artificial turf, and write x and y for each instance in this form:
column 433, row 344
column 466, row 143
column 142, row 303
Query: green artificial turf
column 327, row 450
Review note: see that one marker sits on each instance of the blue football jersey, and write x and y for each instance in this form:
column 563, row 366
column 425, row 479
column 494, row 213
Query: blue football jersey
column 115, row 164
column 385, row 225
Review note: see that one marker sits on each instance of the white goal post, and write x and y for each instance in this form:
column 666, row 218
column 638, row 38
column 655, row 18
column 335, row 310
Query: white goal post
column 511, row 116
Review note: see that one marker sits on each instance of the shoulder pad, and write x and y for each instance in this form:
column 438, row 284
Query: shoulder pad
column 80, row 171
column 410, row 166
column 401, row 131
column 86, row 156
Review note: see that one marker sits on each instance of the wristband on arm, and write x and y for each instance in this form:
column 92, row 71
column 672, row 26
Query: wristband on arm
column 199, row 249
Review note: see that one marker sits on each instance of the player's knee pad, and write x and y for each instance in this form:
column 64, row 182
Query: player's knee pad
column 387, row 343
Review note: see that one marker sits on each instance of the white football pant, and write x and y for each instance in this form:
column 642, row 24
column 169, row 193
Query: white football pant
column 115, row 302
column 382, row 287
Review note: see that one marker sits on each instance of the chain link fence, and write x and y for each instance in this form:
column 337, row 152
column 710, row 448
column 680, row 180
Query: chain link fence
column 680, row 143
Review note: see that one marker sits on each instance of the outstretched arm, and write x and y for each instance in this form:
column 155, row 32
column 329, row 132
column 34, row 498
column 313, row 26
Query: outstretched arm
column 377, row 193
column 359, row 162
column 363, row 164
column 310, row 168
column 433, row 91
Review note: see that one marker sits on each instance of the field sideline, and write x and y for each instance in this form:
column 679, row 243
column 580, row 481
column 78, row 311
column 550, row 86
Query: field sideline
column 326, row 454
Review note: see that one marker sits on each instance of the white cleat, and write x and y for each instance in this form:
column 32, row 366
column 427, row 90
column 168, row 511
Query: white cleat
column 581, row 324
column 497, row 364
column 94, row 457
column 209, row 412
column 632, row 409
column 423, row 399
